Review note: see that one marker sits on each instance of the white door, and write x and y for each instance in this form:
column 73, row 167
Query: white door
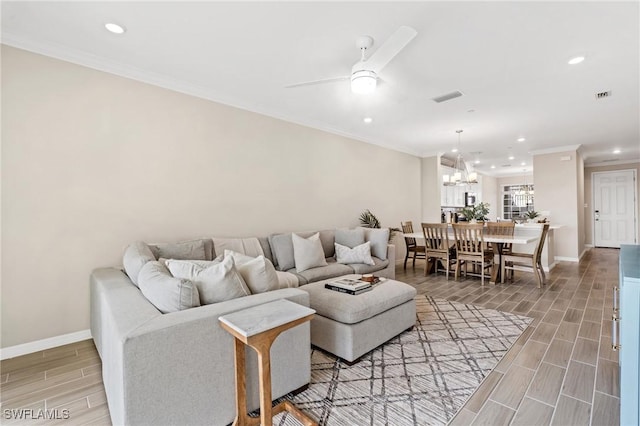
column 614, row 208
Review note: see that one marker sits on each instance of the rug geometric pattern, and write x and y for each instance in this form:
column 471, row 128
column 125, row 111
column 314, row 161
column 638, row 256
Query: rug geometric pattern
column 421, row 377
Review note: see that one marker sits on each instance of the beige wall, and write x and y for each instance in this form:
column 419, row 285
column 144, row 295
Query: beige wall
column 489, row 194
column 556, row 191
column 431, row 187
column 580, row 208
column 588, row 195
column 92, row 161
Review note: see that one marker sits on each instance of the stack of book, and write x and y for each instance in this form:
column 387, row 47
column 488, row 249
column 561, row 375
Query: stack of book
column 349, row 286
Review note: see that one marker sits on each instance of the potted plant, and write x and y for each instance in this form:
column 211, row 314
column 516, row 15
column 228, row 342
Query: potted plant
column 476, row 213
column 369, row 220
column 531, row 215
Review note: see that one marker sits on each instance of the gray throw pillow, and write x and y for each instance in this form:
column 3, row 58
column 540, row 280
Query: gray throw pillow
column 308, row 252
column 135, row 257
column 379, row 239
column 350, row 237
column 282, row 249
column 185, row 250
column 167, row 293
column 216, row 281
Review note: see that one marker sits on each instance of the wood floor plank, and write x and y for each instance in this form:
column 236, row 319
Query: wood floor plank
column 513, row 386
column 608, row 377
column 580, row 381
column 531, row 355
column 532, row 412
column 586, row 351
column 493, row 414
column 590, row 330
column 559, row 353
column 567, row 331
column 553, row 316
column 544, row 332
column 463, row 418
column 570, row 411
column 606, row 410
column 547, row 383
column 481, row 395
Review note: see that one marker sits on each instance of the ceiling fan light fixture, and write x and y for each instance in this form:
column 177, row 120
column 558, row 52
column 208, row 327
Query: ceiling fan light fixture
column 363, row 82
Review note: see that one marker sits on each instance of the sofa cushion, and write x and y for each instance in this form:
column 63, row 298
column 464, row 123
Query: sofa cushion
column 136, row 255
column 349, row 309
column 257, row 272
column 379, row 239
column 358, row 254
column 165, row 292
column 282, row 247
column 332, row 270
column 287, row 279
column 185, row 250
column 216, row 282
column 350, row 237
column 308, row 252
column 247, row 246
column 361, row 268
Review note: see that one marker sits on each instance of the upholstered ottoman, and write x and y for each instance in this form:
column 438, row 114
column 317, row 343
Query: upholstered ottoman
column 350, row 326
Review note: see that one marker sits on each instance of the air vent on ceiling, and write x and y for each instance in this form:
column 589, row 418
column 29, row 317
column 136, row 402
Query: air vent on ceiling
column 447, row 97
column 506, row 165
column 611, row 159
column 602, row 95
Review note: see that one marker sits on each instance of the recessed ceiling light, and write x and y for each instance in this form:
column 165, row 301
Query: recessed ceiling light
column 521, row 139
column 454, row 150
column 367, row 120
column 476, row 162
column 493, row 166
column 115, row 28
column 511, row 157
column 616, row 151
column 523, row 164
column 576, row 60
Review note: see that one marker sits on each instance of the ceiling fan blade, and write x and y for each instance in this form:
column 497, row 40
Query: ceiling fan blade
column 390, row 48
column 314, row 82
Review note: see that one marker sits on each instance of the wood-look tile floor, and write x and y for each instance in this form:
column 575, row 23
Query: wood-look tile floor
column 561, row 371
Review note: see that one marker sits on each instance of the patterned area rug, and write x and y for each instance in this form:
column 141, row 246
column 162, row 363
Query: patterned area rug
column 422, row 377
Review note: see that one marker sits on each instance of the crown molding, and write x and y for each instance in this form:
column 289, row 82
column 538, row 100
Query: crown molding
column 92, row 61
column 565, row 148
column 613, row 163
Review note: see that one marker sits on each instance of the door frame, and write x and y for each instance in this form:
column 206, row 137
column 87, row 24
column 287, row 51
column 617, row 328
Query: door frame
column 635, row 203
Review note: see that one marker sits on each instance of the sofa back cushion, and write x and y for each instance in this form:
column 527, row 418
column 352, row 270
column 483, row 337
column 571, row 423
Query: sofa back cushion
column 217, row 281
column 136, row 255
column 379, row 239
column 165, row 292
column 186, row 250
column 350, row 237
column 282, row 247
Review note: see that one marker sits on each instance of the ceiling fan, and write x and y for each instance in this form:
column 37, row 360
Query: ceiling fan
column 364, row 74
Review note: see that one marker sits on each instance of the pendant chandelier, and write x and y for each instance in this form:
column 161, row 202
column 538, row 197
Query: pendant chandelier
column 523, row 196
column 461, row 176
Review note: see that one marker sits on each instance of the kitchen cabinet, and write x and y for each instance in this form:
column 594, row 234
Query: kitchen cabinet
column 627, row 319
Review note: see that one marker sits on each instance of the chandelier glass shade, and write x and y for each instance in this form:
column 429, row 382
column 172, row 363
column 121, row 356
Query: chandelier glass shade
column 461, row 175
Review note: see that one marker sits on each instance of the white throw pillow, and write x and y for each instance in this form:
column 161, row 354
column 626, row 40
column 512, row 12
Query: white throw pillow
column 217, row 282
column 258, row 272
column 308, row 252
column 358, row 254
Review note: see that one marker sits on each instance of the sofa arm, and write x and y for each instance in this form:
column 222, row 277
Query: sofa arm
column 390, row 270
column 179, row 367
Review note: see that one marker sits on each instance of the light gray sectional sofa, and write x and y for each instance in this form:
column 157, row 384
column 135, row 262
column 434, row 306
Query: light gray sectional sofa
column 178, row 367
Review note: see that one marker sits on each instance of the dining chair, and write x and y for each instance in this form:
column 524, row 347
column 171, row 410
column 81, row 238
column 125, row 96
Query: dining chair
column 437, row 249
column 470, row 248
column 412, row 247
column 527, row 262
column 502, row 229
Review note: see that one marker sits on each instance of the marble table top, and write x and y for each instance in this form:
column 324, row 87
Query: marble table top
column 257, row 319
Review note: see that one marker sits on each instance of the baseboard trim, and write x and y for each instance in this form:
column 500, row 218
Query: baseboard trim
column 588, row 245
column 566, row 259
column 583, row 252
column 550, row 267
column 41, row 345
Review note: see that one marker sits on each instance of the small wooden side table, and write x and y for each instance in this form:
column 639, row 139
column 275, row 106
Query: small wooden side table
column 258, row 327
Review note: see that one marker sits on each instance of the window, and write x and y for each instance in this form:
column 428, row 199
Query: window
column 516, row 200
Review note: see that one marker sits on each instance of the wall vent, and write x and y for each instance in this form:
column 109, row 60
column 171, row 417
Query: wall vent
column 506, row 165
column 447, row 96
column 602, row 95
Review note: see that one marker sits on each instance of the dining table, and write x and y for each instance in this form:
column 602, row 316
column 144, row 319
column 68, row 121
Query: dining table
column 498, row 242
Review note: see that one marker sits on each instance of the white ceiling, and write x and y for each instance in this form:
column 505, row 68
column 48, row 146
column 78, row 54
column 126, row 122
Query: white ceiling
column 508, row 58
